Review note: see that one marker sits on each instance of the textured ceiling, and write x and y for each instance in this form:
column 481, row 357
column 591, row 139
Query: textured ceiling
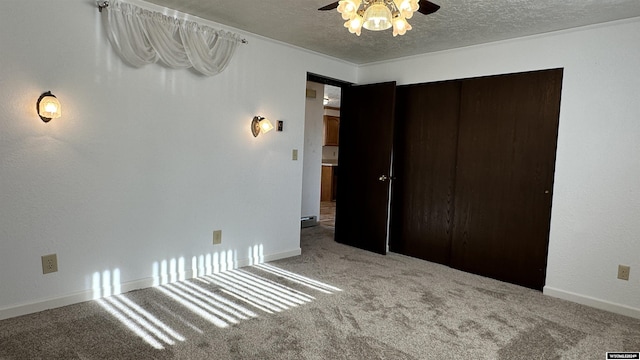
column 458, row 23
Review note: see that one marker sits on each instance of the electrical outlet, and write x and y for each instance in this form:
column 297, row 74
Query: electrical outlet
column 217, row 237
column 623, row 272
column 49, row 263
column 294, row 154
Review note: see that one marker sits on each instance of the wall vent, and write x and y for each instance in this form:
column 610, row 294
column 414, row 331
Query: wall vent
column 308, row 221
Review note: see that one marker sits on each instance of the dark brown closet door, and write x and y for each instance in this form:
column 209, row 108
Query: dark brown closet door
column 424, row 166
column 364, row 163
column 504, row 180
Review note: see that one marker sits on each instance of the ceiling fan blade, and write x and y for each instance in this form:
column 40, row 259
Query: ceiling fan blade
column 427, row 7
column 329, row 7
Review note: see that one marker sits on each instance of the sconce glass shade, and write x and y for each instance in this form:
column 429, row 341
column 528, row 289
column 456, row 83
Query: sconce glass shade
column 259, row 125
column 48, row 107
column 265, row 126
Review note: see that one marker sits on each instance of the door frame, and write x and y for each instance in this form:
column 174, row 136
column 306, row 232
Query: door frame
column 325, row 80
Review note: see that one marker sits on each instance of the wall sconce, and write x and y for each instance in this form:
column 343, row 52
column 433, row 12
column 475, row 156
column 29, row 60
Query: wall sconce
column 48, row 107
column 259, row 125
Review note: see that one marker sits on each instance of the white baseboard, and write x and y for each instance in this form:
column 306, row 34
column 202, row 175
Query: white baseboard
column 87, row 295
column 592, row 302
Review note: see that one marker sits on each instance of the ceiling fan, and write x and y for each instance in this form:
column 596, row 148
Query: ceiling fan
column 379, row 15
column 426, row 7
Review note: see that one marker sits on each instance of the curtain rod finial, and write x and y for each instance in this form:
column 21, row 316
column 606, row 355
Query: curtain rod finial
column 102, row 5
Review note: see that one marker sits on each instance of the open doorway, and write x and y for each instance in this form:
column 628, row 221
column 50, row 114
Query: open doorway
column 330, row 150
column 321, row 149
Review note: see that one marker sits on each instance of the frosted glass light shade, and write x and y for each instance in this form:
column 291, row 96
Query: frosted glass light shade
column 377, row 17
column 348, row 8
column 407, row 7
column 265, row 125
column 400, row 26
column 354, row 25
column 260, row 125
column 48, row 107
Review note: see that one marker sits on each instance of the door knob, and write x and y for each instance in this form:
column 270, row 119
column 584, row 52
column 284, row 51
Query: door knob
column 383, row 178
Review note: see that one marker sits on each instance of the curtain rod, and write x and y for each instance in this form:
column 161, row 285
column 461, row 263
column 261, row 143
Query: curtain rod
column 105, row 4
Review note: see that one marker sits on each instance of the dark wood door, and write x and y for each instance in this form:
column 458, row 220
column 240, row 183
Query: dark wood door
column 425, row 149
column 364, row 163
column 504, row 179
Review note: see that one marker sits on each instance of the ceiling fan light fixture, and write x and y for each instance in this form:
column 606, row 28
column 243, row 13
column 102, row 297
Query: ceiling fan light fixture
column 376, row 15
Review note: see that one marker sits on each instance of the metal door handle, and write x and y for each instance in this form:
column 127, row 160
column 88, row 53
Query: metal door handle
column 383, row 178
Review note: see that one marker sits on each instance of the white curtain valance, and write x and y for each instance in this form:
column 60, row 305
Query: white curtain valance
column 143, row 37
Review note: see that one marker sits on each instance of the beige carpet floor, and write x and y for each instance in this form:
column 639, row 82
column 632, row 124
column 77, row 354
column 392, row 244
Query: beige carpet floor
column 333, row 302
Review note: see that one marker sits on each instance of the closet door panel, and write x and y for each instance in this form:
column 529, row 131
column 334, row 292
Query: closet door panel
column 424, row 167
column 504, row 179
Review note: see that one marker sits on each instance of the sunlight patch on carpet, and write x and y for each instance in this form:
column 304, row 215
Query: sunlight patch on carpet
column 302, row 280
column 140, row 321
column 219, row 293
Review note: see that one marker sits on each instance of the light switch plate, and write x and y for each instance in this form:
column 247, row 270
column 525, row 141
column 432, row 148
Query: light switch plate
column 217, row 237
column 294, row 154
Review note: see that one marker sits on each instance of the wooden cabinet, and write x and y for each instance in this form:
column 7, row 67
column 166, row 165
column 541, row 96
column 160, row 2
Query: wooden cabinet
column 331, row 130
column 328, row 183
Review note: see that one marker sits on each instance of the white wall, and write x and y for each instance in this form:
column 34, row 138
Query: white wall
column 312, row 170
column 595, row 221
column 144, row 164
